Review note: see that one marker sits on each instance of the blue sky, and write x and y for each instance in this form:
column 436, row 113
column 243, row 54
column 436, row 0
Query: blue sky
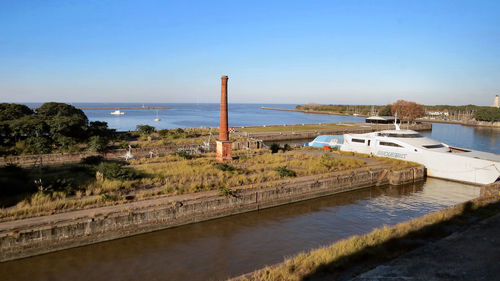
column 341, row 52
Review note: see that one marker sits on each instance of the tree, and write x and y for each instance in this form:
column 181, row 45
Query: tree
column 64, row 119
column 385, row 111
column 98, row 143
column 37, row 145
column 98, row 128
column 408, row 110
column 490, row 114
column 12, row 111
column 145, row 130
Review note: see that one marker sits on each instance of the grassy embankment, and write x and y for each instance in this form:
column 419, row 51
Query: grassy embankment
column 357, row 254
column 57, row 189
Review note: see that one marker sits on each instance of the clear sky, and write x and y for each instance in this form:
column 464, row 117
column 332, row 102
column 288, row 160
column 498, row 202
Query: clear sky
column 340, row 52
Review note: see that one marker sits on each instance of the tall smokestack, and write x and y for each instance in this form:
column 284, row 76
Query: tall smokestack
column 223, row 130
column 223, row 145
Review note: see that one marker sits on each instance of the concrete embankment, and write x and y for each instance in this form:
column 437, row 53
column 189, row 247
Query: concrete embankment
column 28, row 237
column 311, row 134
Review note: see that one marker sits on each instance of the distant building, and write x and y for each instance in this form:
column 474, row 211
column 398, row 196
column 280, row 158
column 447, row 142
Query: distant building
column 380, row 119
column 437, row 113
column 495, row 102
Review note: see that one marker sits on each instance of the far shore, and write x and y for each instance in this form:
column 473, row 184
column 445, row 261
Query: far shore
column 472, row 123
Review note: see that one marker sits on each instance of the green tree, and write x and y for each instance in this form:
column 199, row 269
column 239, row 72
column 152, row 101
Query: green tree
column 145, row 130
column 12, row 111
column 385, row 110
column 98, row 143
column 490, row 114
column 64, row 119
column 37, row 145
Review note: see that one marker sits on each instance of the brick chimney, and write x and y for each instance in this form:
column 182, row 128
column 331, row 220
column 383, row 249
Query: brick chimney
column 224, row 153
column 223, row 130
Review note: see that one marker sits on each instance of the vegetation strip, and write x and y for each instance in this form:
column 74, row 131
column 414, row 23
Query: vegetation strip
column 357, row 254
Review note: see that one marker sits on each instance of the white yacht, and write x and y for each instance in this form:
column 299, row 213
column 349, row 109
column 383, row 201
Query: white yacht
column 440, row 160
column 117, row 112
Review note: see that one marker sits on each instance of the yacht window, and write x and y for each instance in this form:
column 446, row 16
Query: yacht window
column 432, row 146
column 358, row 140
column 395, row 135
column 386, row 143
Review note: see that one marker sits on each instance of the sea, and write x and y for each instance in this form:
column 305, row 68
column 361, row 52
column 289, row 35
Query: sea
column 196, row 115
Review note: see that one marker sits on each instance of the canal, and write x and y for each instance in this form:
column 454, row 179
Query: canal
column 231, row 246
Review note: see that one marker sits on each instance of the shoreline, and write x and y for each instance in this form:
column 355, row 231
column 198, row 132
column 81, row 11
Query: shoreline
column 464, row 123
column 392, row 251
column 39, row 235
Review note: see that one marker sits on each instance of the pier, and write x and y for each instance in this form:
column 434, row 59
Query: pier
column 123, row 108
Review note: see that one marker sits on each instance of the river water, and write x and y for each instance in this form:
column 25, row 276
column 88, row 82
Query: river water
column 230, row 246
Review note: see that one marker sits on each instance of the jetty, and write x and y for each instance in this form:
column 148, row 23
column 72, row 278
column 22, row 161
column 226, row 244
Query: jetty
column 123, row 108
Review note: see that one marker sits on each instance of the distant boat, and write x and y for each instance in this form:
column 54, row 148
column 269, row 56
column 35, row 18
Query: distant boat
column 117, row 112
column 157, row 119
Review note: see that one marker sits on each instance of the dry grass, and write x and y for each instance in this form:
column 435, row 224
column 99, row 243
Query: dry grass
column 176, row 175
column 350, row 251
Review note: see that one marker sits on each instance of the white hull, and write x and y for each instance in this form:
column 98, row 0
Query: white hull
column 440, row 160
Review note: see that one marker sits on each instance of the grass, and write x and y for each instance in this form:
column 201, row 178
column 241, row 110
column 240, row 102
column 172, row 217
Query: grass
column 380, row 245
column 76, row 186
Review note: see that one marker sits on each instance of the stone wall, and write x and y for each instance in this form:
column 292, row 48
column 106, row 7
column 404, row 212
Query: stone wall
column 62, row 158
column 35, row 236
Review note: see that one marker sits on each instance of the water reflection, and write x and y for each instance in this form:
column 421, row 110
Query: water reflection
column 478, row 138
column 234, row 245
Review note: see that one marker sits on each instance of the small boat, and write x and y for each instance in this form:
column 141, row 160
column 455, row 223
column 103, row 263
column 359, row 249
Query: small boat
column 117, row 112
column 157, row 119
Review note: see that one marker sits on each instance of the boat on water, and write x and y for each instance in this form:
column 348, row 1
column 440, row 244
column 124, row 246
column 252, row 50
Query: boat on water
column 157, row 119
column 440, row 160
column 117, row 112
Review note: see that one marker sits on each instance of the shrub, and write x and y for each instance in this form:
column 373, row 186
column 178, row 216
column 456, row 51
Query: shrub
column 37, row 145
column 184, row 154
column 145, row 130
column 224, row 167
column 284, row 172
column 92, row 160
column 117, row 171
column 274, row 147
column 98, row 143
column 226, row 191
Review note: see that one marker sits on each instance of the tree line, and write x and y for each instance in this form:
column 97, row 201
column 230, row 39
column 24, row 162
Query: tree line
column 51, row 127
column 409, row 110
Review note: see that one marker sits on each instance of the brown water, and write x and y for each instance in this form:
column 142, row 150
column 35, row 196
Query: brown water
column 230, row 246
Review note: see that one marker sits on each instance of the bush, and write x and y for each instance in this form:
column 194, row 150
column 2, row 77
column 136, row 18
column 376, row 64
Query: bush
column 284, row 172
column 274, row 147
column 37, row 145
column 145, row 130
column 98, row 144
column 14, row 181
column 225, row 167
column 92, row 160
column 184, row 154
column 116, row 171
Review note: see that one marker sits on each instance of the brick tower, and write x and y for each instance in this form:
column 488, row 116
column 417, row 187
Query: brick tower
column 224, row 144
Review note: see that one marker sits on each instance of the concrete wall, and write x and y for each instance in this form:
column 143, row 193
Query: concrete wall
column 311, row 134
column 61, row 158
column 41, row 235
